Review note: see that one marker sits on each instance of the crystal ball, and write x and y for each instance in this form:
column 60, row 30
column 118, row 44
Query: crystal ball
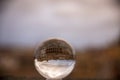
column 54, row 59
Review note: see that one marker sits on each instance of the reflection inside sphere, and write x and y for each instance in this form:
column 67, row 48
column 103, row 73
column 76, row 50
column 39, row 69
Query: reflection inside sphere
column 54, row 59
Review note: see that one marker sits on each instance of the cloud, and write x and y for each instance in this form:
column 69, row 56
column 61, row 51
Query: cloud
column 82, row 24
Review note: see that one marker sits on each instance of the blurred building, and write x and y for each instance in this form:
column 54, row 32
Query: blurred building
column 91, row 26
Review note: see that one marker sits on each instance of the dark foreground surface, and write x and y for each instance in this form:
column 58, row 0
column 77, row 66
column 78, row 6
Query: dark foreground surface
column 93, row 64
column 39, row 78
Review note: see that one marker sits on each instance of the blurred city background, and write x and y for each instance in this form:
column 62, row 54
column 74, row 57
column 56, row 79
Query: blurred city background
column 91, row 26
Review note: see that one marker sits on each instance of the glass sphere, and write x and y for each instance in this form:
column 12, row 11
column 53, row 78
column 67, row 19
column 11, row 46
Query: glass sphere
column 54, row 59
